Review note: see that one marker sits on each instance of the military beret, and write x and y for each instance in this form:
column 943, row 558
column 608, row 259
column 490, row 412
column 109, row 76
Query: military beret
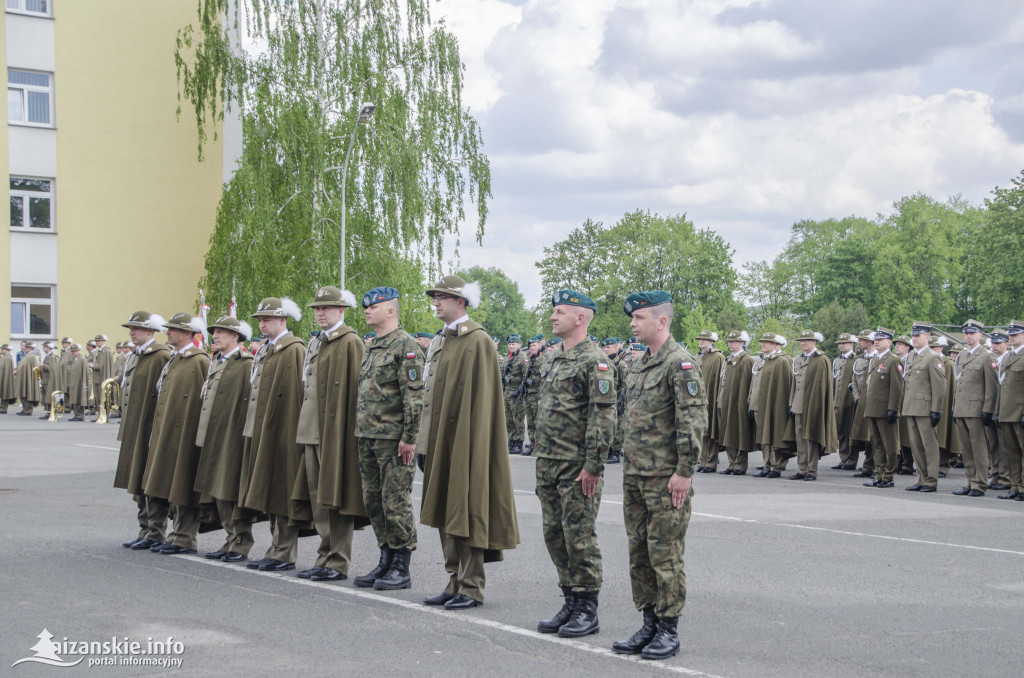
column 610, row 341
column 494, row 337
column 884, row 333
column 594, row 338
column 370, row 335
column 513, row 339
column 572, row 298
column 379, row 294
column 919, row 327
column 637, row 347
column 554, row 340
column 428, row 335
column 537, row 339
column 632, row 339
column 332, row 296
column 999, row 336
column 902, row 339
column 971, row 326
column 708, row 334
column 738, row 335
column 643, row 299
column 845, row 338
column 314, row 333
column 1015, row 327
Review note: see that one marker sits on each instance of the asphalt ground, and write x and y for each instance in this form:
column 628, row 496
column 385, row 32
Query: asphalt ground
column 785, row 578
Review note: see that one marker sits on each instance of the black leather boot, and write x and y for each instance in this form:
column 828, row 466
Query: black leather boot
column 552, row 625
column 584, row 618
column 666, row 640
column 366, row 581
column 639, row 640
column 397, row 576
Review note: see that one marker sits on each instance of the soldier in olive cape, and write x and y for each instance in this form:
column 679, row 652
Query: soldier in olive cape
column 575, row 428
column 8, row 395
column 710, row 360
column 735, row 427
column 812, row 406
column 974, row 407
column 753, row 395
column 170, row 475
column 225, row 400
column 62, row 367
column 774, row 429
column 513, row 373
column 666, row 413
column 924, row 399
column 138, row 398
column 845, row 408
column 388, row 417
column 102, row 365
column 329, row 481
column 49, row 365
column 531, row 389
column 1011, row 409
column 905, row 459
column 884, row 398
column 27, row 386
column 467, row 479
column 76, row 397
column 272, row 459
column 945, row 432
column 861, row 435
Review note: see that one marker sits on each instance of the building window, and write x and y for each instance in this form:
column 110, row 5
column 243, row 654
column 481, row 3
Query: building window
column 29, row 98
column 31, row 312
column 31, row 204
column 40, row 7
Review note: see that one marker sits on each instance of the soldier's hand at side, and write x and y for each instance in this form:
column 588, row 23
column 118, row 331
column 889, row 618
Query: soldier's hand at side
column 995, row 419
column 679, row 488
column 890, row 416
column 751, row 415
column 935, row 416
column 790, row 410
column 421, row 461
column 406, row 452
column 588, row 482
column 986, row 418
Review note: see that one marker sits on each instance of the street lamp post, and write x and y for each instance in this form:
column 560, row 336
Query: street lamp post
column 365, row 113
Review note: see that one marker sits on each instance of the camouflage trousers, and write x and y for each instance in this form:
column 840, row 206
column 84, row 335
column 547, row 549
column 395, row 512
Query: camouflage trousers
column 569, row 523
column 514, row 412
column 387, row 492
column 530, row 407
column 657, row 536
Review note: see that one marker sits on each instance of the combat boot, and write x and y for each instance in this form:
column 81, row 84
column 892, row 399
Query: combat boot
column 639, row 640
column 527, row 449
column 584, row 617
column 397, row 576
column 666, row 641
column 562, row 616
column 614, row 457
column 367, row 580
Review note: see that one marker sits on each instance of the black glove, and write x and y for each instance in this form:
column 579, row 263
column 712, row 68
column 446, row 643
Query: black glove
column 935, row 416
column 751, row 416
column 850, row 386
column 986, row 419
column 791, row 415
column 995, row 418
column 421, row 461
column 890, row 416
column 856, row 402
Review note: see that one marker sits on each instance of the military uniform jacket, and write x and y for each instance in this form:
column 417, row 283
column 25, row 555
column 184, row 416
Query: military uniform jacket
column 710, row 365
column 272, row 459
column 119, row 362
column 666, row 413
column 7, row 392
column 977, row 384
column 62, row 371
column 79, row 381
column 467, row 481
column 945, row 433
column 102, row 360
column 139, row 403
column 845, row 408
column 27, row 385
column 49, row 365
column 225, row 400
column 925, row 389
column 391, row 389
column 533, row 378
column 1011, row 388
column 862, row 366
column 774, row 427
column 576, row 410
column 884, row 386
column 756, row 366
column 514, row 371
column 735, row 429
column 173, row 452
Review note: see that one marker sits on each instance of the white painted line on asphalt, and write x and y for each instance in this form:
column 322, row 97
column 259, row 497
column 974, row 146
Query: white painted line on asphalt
column 99, row 447
column 906, row 539
column 456, row 616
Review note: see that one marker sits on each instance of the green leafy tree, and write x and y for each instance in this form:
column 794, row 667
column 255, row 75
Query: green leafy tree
column 502, row 308
column 995, row 253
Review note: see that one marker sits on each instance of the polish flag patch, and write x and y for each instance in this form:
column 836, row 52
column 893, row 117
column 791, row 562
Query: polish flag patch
column 410, row 356
column 603, row 367
column 939, row 367
column 994, row 364
column 686, row 365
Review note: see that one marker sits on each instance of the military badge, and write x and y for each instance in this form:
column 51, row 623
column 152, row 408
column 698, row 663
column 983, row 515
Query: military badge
column 900, row 368
column 994, row 364
column 603, row 367
column 691, row 388
column 686, row 365
column 412, row 375
column 603, row 386
column 939, row 367
column 410, row 355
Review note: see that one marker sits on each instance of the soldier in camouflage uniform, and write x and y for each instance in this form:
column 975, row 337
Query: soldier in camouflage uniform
column 666, row 415
column 613, row 349
column 530, row 390
column 575, row 425
column 513, row 373
column 387, row 419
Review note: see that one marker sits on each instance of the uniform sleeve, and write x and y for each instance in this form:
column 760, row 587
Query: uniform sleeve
column 410, row 382
column 991, row 384
column 937, row 379
column 896, row 386
column 691, row 417
column 600, row 416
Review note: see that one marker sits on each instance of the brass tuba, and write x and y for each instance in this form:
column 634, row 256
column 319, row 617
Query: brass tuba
column 56, row 405
column 110, row 397
column 37, row 372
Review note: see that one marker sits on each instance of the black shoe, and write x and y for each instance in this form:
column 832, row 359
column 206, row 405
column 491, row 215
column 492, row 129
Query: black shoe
column 773, row 474
column 862, row 474
column 962, row 492
column 232, row 557
column 665, row 643
column 941, row 474
column 998, row 486
column 926, row 489
column 872, row 483
column 797, row 476
column 905, row 472
column 639, row 640
column 912, row 488
column 45, row 416
column 1020, row 496
column 562, row 616
column 975, row 493
column 739, row 473
column 255, row 565
column 1009, row 495
column 216, row 555
column 760, row 468
column 76, row 419
column 517, row 447
column 143, row 545
column 885, row 483
column 327, row 574
column 461, row 602
column 527, row 450
column 276, row 566
column 810, row 476
column 760, row 474
column 132, row 542
column 308, row 574
column 397, row 577
column 440, row 599
column 383, row 565
column 172, row 550
column 726, row 472
column 158, row 546
column 584, row 618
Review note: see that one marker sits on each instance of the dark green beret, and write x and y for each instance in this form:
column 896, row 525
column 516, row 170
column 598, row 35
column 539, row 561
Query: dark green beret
column 370, row 335
column 637, row 347
column 512, row 339
column 554, row 340
column 428, row 335
column 611, row 340
column 643, row 299
column 494, row 337
column 537, row 338
column 572, row 298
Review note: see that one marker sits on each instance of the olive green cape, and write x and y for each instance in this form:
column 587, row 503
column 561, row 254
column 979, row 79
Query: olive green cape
column 139, row 399
column 819, row 417
column 735, row 428
column 26, row 385
column 774, row 427
column 220, row 462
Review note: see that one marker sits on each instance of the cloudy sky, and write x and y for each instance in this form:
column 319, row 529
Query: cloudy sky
column 746, row 115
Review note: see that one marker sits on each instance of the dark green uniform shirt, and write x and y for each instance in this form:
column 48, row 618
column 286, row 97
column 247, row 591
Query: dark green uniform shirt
column 390, row 388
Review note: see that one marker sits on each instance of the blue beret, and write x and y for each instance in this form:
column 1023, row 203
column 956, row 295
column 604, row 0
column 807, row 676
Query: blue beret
column 593, row 337
column 554, row 340
column 611, row 340
column 494, row 337
column 420, row 335
column 379, row 294
column 637, row 347
column 537, row 338
column 370, row 335
column 642, row 299
column 573, row 298
column 512, row 339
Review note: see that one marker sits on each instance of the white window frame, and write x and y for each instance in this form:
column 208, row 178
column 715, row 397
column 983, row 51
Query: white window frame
column 20, row 8
column 25, row 195
column 25, row 89
column 27, row 301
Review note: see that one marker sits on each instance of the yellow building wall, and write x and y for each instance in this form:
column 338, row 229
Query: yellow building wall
column 135, row 208
column 5, row 233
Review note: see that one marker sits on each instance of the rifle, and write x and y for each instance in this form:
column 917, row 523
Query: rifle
column 521, row 391
column 508, row 366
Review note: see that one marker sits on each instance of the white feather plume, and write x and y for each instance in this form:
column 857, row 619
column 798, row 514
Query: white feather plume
column 198, row 326
column 472, row 293
column 291, row 308
column 245, row 329
column 348, row 298
column 714, row 336
column 942, row 341
column 157, row 322
column 818, row 336
column 872, row 336
column 780, row 340
column 744, row 337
